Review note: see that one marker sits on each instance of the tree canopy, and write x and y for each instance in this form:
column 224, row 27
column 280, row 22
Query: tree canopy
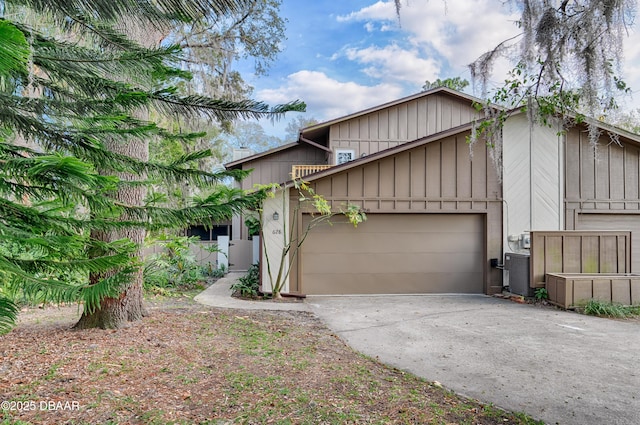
column 76, row 95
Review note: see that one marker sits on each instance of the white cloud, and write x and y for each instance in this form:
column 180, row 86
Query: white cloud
column 381, row 10
column 438, row 32
column 460, row 32
column 394, row 63
column 327, row 98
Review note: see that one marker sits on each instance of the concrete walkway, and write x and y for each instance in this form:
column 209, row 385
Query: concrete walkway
column 557, row 366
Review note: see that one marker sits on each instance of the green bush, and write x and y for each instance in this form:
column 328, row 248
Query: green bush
column 541, row 294
column 248, row 285
column 174, row 267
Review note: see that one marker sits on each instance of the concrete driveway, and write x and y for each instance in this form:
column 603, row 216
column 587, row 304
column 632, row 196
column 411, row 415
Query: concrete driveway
column 557, row 366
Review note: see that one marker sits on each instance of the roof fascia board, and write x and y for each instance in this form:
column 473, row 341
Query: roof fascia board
column 314, row 144
column 444, row 90
column 260, row 155
column 633, row 137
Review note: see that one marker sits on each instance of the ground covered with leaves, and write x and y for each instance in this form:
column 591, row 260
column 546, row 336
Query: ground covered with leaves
column 186, row 363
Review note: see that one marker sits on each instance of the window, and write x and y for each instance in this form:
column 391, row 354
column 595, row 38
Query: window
column 209, row 233
column 345, row 155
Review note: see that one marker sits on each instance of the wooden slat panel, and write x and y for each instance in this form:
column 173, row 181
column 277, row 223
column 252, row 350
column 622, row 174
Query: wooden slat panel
column 635, row 291
column 463, row 169
column 621, row 291
column 423, row 121
column 572, row 166
column 631, row 173
column 418, row 172
column 403, row 122
column 609, row 254
column 446, row 111
column 590, row 257
column 616, row 172
column 617, row 222
column 374, row 126
column 572, row 262
column 412, row 121
column 593, row 251
column 602, row 290
column 387, row 184
column 553, row 253
column 433, row 170
column 371, row 177
column 393, row 123
column 587, row 170
column 432, row 115
column 479, row 165
column 448, row 171
column 402, row 166
column 603, row 174
column 343, row 131
column 355, row 181
column 383, row 125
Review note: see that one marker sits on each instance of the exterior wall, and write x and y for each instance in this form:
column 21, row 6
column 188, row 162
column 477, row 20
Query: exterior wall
column 435, row 177
column 276, row 168
column 605, row 181
column 399, row 124
column 274, row 235
column 532, row 178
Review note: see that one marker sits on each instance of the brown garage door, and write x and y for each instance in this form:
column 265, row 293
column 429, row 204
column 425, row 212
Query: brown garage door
column 396, row 253
column 615, row 222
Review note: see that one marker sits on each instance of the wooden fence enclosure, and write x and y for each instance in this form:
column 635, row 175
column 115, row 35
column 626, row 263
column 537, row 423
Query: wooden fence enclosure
column 577, row 266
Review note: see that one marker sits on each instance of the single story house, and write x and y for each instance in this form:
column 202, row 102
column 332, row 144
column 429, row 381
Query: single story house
column 438, row 210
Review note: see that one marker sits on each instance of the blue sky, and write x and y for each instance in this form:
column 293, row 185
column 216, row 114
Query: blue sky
column 344, row 56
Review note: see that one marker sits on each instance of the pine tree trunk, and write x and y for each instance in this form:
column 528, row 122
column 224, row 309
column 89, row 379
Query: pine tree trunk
column 117, row 312
column 128, row 307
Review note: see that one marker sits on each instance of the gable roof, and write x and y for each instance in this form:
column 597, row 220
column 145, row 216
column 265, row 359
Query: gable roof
column 388, row 152
column 318, row 131
column 314, row 131
column 239, row 162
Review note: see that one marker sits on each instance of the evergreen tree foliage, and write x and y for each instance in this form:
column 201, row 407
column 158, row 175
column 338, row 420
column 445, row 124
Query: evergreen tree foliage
column 74, row 89
column 455, row 83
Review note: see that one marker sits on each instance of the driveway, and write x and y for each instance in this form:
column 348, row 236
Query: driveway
column 557, row 366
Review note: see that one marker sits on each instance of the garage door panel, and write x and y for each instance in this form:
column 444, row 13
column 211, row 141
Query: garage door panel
column 409, row 223
column 393, row 283
column 394, row 263
column 390, row 243
column 396, row 253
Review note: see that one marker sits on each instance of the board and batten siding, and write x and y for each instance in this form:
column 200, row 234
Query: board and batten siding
column 604, row 181
column 390, row 127
column 438, row 176
column 274, row 169
column 277, row 167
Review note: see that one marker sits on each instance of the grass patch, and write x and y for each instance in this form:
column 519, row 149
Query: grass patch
column 617, row 311
column 189, row 364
